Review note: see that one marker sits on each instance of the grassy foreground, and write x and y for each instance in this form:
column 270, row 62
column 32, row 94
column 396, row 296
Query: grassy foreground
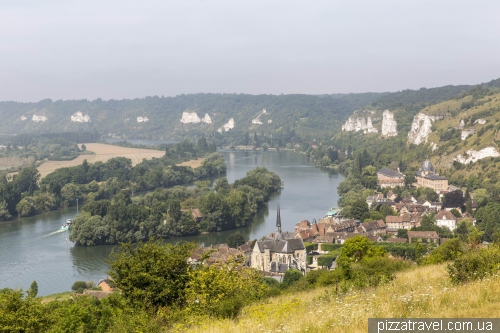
column 417, row 293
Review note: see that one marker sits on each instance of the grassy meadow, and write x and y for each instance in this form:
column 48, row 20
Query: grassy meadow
column 416, row 293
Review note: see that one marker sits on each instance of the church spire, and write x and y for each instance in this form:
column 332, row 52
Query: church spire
column 278, row 234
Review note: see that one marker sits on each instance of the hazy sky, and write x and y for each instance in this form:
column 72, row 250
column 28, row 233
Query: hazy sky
column 127, row 49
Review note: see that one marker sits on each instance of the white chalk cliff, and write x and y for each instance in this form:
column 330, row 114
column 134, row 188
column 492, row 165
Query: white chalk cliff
column 475, row 155
column 23, row 118
column 227, row 126
column 257, row 120
column 480, row 121
column 191, row 117
column 389, row 125
column 142, row 119
column 206, row 119
column 37, row 118
column 78, row 117
column 420, row 129
column 466, row 133
column 359, row 124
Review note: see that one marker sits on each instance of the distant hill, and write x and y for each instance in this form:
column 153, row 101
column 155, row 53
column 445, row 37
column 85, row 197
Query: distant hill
column 158, row 117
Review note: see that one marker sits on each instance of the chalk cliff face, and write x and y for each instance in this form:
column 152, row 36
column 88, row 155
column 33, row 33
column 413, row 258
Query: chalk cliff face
column 389, row 125
column 475, row 155
column 142, row 119
column 78, row 117
column 466, row 133
column 227, row 126
column 23, row 118
column 420, row 129
column 206, row 119
column 359, row 124
column 191, row 117
column 37, row 118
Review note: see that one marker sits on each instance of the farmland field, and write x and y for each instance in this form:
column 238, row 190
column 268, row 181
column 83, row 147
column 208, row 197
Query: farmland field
column 103, row 152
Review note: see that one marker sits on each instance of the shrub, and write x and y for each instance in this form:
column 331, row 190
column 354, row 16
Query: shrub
column 474, row 265
column 330, row 247
column 291, row 276
column 79, row 286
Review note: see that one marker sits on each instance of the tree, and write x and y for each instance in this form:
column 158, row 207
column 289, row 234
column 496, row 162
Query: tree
column 356, row 249
column 454, row 199
column 358, row 209
column 79, row 286
column 27, row 179
column 428, row 220
column 33, row 291
column 455, row 212
column 4, row 211
column 402, row 233
column 152, row 273
column 235, row 240
column 291, row 276
column 84, row 147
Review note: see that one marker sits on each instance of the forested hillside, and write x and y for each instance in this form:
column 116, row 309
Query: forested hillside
column 158, row 117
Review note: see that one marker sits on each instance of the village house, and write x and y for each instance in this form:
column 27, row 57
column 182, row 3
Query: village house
column 404, row 221
column 427, row 177
column 373, row 228
column 277, row 255
column 106, row 284
column 219, row 253
column 430, row 236
column 341, row 237
column 391, row 195
column 390, row 178
column 446, row 219
column 396, row 240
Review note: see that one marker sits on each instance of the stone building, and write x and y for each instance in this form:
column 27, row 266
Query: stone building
column 427, row 177
column 390, row 178
column 277, row 255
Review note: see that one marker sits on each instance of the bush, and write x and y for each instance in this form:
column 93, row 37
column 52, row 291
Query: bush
column 311, row 246
column 291, row 276
column 449, row 250
column 474, row 265
column 79, row 286
column 330, row 247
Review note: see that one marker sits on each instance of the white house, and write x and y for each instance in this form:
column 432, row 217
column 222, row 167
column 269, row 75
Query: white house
column 446, row 219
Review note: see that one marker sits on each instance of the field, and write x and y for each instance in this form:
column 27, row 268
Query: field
column 103, row 152
column 192, row 163
column 423, row 292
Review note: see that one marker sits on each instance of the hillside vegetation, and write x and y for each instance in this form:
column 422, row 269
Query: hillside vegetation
column 424, row 292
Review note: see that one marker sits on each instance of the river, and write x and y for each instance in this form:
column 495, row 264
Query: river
column 32, row 248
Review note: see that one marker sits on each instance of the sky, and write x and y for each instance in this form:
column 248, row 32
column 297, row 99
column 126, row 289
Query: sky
column 110, row 49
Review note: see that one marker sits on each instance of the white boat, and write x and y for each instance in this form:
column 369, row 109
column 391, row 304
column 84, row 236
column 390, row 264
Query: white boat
column 67, row 225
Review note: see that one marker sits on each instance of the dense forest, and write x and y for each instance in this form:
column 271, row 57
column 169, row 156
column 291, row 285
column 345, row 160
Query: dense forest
column 167, row 213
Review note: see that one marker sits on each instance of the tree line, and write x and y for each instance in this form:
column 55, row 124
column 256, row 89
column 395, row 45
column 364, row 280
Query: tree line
column 166, row 213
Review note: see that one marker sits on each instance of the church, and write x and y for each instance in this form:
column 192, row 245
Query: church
column 427, row 177
column 276, row 255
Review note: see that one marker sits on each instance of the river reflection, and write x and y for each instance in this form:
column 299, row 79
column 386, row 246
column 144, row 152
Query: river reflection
column 33, row 248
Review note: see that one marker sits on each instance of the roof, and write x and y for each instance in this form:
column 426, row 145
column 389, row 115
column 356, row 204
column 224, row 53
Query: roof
column 372, row 225
column 397, row 240
column 427, row 166
column 281, row 246
column 390, row 173
column 445, row 215
column 423, row 234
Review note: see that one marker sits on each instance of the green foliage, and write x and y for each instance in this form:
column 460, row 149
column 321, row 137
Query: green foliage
column 413, row 251
column 475, row 264
column 449, row 250
column 235, row 240
column 291, row 277
column 330, row 247
column 356, row 249
column 402, row 233
column 79, row 286
column 33, row 291
column 152, row 273
column 311, row 246
column 488, row 220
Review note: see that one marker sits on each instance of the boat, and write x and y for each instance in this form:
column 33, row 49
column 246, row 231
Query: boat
column 67, row 225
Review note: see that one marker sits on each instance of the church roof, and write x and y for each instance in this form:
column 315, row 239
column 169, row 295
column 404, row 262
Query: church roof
column 281, row 246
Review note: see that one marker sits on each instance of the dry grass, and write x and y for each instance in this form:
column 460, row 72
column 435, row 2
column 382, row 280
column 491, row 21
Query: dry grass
column 103, row 152
column 419, row 293
column 192, row 163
